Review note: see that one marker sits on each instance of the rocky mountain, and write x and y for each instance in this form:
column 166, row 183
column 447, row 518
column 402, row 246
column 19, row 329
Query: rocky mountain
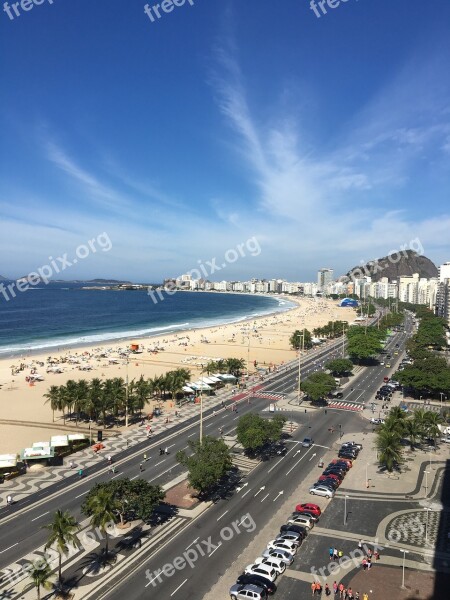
column 3, row 278
column 403, row 263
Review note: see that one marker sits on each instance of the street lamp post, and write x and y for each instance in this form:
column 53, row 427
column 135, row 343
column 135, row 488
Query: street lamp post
column 201, row 410
column 426, row 483
column 405, row 552
column 367, row 476
column 345, row 509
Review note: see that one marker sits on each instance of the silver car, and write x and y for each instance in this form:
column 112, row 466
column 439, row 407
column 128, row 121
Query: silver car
column 321, row 490
column 283, row 555
column 244, row 592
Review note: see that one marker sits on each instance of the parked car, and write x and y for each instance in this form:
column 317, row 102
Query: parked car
column 322, row 490
column 314, row 518
column 262, row 570
column 301, row 520
column 290, row 536
column 376, row 421
column 446, row 439
column 244, row 592
column 284, row 555
column 340, row 473
column 282, row 545
column 307, row 442
column 347, row 453
column 352, row 443
column 289, row 527
column 274, row 563
column 309, row 507
column 330, row 477
column 342, row 461
column 330, row 483
column 262, row 582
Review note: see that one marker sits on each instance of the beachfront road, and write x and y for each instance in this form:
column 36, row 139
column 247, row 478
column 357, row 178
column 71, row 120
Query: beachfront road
column 280, row 475
column 21, row 533
column 21, row 525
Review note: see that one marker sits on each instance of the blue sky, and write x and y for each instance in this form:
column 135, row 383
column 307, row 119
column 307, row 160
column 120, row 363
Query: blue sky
column 326, row 138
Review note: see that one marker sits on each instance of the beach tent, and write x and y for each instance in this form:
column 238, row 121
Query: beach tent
column 73, row 437
column 8, row 461
column 227, row 377
column 188, row 389
column 37, row 452
column 59, row 441
column 199, row 385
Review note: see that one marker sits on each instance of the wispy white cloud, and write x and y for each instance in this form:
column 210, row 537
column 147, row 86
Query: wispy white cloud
column 338, row 198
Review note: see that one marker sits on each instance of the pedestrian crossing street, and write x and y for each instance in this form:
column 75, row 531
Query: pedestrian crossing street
column 269, row 395
column 244, row 464
column 345, row 406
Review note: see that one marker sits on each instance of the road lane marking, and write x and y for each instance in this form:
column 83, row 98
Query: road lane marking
column 300, row 459
column 264, row 498
column 46, row 513
column 79, row 495
column 216, row 548
column 196, row 540
column 133, row 478
column 181, row 585
column 6, row 549
column 222, row 515
column 246, row 493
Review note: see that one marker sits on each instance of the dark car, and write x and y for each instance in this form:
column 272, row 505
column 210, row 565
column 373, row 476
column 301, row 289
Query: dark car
column 266, row 584
column 344, row 453
column 295, row 528
column 329, row 483
column 340, row 465
column 334, row 471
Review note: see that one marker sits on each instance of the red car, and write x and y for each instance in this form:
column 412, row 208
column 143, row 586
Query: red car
column 342, row 460
column 331, row 476
column 311, row 508
column 336, row 480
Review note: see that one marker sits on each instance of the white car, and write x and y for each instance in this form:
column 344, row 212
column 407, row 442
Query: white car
column 321, row 490
column 282, row 545
column 262, row 570
column 274, row 563
column 284, row 555
column 446, row 439
column 302, row 521
column 376, row 421
column 290, row 537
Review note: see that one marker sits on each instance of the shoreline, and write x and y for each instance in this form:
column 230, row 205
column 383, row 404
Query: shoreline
column 63, row 346
column 263, row 339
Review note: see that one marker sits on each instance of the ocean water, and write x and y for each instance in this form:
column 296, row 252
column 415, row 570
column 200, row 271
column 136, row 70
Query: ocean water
column 62, row 314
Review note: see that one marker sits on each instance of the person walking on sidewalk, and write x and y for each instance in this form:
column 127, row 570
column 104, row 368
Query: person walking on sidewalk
column 341, row 590
column 331, row 551
column 327, row 590
column 335, row 588
column 365, row 596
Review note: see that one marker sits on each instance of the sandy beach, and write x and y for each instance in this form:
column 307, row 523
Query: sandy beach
column 25, row 419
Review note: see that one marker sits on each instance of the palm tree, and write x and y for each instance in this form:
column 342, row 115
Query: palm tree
column 69, row 394
column 235, row 366
column 55, row 398
column 412, row 431
column 103, row 509
column 81, row 398
column 93, row 398
column 392, row 425
column 397, row 413
column 211, row 367
column 389, row 448
column 62, row 533
column 432, row 421
column 40, row 575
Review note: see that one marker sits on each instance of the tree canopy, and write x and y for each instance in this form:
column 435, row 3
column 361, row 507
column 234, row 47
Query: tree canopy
column 254, row 431
column 318, row 385
column 364, row 342
column 209, row 462
column 297, row 342
column 340, row 367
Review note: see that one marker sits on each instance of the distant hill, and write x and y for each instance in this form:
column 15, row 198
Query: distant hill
column 103, row 281
column 3, row 278
column 392, row 267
